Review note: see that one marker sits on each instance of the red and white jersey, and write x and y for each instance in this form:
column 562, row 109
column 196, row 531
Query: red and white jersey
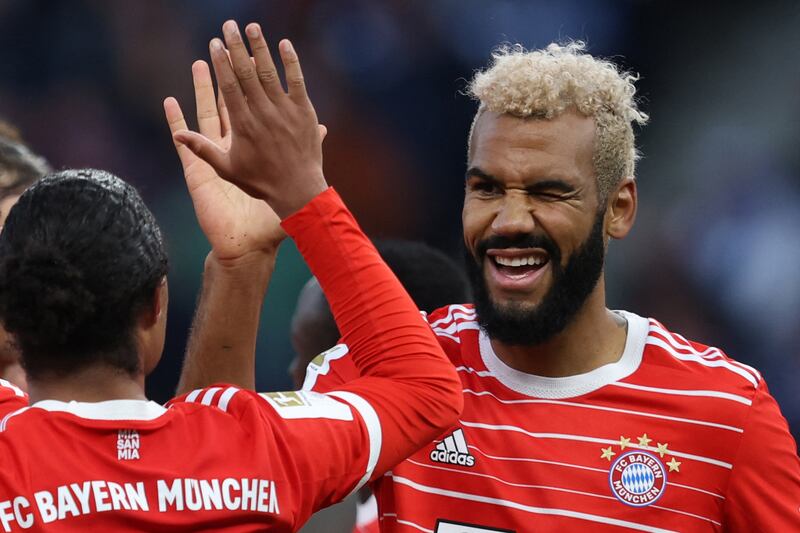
column 674, row 436
column 222, row 458
column 217, row 458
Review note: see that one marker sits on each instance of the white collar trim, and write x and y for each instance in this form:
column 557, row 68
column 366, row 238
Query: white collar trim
column 571, row 386
column 108, row 410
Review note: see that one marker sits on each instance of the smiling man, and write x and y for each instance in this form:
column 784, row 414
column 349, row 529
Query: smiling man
column 575, row 416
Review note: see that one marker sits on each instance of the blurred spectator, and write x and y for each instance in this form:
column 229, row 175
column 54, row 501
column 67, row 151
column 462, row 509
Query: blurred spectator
column 19, row 168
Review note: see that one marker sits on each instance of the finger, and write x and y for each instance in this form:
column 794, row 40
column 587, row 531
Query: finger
column 224, row 117
column 294, row 75
column 242, row 65
column 265, row 67
column 207, row 115
column 227, row 82
column 205, row 149
column 323, row 132
column 176, row 122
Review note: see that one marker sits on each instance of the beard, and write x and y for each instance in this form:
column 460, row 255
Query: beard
column 520, row 325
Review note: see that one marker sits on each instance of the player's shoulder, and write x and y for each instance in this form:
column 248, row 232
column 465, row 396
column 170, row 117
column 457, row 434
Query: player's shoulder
column 217, row 398
column 697, row 364
column 241, row 403
column 12, row 398
column 456, row 327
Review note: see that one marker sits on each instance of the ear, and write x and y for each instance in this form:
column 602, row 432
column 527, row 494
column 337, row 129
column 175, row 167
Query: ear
column 621, row 210
column 153, row 314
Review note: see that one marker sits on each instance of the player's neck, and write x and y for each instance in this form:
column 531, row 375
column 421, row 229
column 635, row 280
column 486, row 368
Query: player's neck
column 593, row 338
column 92, row 384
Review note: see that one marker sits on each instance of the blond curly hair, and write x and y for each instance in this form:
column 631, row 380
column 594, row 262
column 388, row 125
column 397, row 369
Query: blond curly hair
column 545, row 83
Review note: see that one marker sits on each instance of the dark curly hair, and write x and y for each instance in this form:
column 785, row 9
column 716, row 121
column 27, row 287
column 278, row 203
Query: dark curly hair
column 80, row 256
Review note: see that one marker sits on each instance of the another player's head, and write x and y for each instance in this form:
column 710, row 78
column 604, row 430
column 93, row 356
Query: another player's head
column 550, row 180
column 82, row 277
column 19, row 168
column 430, row 277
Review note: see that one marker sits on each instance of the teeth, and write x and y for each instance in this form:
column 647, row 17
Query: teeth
column 519, row 261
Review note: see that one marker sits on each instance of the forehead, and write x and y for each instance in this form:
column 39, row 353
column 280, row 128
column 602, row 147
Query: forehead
column 512, row 148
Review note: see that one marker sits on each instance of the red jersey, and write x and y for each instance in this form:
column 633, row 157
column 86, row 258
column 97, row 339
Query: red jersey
column 675, row 436
column 222, row 458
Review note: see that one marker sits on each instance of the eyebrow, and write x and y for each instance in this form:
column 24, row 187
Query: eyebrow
column 543, row 185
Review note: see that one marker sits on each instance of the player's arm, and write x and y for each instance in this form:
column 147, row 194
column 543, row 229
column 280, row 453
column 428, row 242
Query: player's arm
column 244, row 234
column 409, row 391
column 764, row 488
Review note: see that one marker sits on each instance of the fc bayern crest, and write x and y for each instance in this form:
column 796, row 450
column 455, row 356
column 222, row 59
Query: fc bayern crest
column 637, row 478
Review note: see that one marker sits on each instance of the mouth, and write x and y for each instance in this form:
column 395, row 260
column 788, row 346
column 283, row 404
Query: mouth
column 516, row 269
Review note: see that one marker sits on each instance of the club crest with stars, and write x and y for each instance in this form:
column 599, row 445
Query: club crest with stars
column 638, row 476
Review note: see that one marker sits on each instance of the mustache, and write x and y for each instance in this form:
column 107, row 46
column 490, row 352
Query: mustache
column 528, row 240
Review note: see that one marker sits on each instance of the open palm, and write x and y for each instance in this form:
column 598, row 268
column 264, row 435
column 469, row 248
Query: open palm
column 234, row 223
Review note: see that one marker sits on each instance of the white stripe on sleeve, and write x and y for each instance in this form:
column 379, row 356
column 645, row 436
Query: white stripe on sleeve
column 374, row 431
column 9, row 385
column 192, row 396
column 226, row 396
column 209, row 395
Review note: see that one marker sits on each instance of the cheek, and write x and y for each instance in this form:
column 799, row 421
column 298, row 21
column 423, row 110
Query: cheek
column 476, row 218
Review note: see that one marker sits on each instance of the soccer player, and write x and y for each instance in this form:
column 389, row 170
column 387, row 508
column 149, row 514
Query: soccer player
column 83, row 291
column 19, row 168
column 575, row 416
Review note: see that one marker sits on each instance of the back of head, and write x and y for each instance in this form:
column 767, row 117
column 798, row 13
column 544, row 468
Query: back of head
column 545, row 83
column 431, row 278
column 80, row 255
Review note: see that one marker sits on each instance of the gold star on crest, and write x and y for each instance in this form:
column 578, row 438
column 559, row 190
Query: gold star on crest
column 607, row 453
column 644, row 441
column 674, row 466
column 661, row 449
column 624, row 442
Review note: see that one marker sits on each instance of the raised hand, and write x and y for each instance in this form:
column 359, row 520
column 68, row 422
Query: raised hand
column 275, row 151
column 234, row 222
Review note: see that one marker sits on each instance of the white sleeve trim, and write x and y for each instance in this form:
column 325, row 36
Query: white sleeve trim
column 373, row 423
column 9, row 385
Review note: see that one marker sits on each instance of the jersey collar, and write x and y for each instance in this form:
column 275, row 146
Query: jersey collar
column 108, row 410
column 571, row 386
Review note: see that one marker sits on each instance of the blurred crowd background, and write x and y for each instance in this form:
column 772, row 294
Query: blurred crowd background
column 714, row 254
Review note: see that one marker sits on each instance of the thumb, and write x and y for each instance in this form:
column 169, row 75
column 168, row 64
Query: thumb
column 323, row 131
column 205, row 149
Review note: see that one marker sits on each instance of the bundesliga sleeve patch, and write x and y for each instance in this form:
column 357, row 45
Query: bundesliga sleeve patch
column 307, row 404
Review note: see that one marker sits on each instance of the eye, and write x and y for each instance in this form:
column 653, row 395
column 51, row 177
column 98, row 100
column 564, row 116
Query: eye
column 483, row 187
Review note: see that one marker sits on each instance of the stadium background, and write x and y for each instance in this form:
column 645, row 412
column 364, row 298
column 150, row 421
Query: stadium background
column 715, row 251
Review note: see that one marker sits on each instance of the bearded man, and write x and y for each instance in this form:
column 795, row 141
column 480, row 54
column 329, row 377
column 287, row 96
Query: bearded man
column 575, row 415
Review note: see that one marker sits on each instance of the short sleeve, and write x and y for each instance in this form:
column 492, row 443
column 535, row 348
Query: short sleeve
column 764, row 489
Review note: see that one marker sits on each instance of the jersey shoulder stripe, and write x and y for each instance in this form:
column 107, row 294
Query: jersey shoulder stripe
column 211, row 396
column 451, row 313
column 4, row 384
column 709, row 357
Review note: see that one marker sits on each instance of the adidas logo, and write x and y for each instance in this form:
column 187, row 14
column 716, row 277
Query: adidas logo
column 453, row 450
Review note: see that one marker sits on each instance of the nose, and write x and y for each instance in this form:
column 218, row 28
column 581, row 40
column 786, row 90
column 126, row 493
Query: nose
column 514, row 216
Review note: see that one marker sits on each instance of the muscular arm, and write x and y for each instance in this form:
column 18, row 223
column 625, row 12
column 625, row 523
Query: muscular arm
column 222, row 342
